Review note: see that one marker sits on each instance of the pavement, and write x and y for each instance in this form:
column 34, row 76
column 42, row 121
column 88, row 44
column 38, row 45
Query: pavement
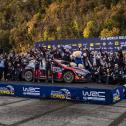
column 34, row 112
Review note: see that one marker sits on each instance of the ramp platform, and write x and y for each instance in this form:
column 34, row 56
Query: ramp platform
column 82, row 92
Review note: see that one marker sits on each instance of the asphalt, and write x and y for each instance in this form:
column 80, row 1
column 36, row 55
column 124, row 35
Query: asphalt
column 34, row 112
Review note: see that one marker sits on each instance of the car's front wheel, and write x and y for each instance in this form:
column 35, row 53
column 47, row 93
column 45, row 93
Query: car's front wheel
column 68, row 77
column 28, row 75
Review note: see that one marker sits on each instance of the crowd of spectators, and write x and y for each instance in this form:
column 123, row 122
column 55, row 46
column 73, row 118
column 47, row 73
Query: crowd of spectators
column 105, row 67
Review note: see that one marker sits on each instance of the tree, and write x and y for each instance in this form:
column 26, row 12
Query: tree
column 45, row 35
column 4, row 40
column 108, row 33
column 88, row 30
column 26, row 21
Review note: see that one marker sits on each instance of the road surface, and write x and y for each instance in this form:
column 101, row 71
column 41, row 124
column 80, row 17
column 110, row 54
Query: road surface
column 35, row 112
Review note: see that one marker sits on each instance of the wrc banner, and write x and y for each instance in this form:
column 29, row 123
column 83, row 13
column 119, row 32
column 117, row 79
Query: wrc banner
column 81, row 94
column 106, row 44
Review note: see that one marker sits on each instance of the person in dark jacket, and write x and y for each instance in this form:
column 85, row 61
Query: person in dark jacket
column 117, row 74
column 67, row 54
column 2, row 66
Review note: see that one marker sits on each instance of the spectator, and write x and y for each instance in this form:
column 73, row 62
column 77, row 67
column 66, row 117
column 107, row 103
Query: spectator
column 104, row 66
column 67, row 54
column 2, row 66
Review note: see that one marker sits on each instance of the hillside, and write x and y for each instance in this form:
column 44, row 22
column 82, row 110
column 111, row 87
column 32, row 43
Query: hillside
column 24, row 21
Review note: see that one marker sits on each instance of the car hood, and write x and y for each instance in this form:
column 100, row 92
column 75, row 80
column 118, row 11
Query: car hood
column 81, row 70
column 77, row 69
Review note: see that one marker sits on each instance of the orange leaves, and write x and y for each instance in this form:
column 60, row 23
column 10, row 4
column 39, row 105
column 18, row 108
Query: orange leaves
column 108, row 33
column 32, row 22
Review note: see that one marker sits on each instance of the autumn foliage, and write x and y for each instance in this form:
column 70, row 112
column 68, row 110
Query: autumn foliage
column 24, row 21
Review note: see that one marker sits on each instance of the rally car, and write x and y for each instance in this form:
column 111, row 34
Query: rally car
column 60, row 71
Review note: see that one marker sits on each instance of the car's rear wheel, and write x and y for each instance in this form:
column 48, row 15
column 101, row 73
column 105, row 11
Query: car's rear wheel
column 68, row 77
column 28, row 75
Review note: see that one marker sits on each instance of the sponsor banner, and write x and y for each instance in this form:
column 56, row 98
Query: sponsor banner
column 31, row 91
column 118, row 94
column 98, row 96
column 94, row 95
column 90, row 95
column 61, row 94
column 106, row 44
column 7, row 90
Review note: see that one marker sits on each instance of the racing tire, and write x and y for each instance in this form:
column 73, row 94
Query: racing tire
column 68, row 77
column 28, row 75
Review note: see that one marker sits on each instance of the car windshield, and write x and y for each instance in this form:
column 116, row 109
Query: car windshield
column 65, row 63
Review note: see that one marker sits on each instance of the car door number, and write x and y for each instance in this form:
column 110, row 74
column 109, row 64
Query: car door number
column 57, row 69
